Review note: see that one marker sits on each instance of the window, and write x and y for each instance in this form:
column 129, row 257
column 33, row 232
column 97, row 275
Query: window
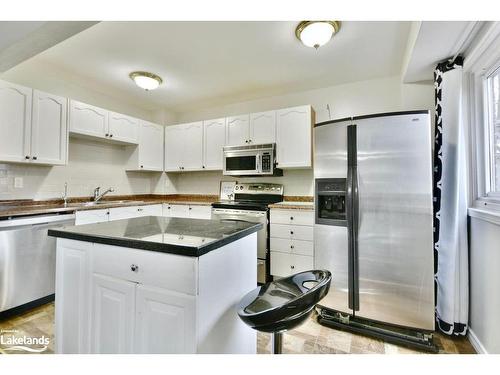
column 493, row 118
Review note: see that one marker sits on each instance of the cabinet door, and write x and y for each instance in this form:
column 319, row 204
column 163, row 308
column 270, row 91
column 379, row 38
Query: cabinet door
column 87, row 120
column 237, row 132
column 15, row 122
column 91, row 216
column 192, row 153
column 119, row 213
column 281, row 264
column 174, row 147
column 263, row 127
column 178, row 210
column 150, row 146
column 123, row 128
column 152, row 210
column 293, row 137
column 165, row 321
column 200, row 212
column 302, row 263
column 214, row 139
column 112, row 318
column 49, row 130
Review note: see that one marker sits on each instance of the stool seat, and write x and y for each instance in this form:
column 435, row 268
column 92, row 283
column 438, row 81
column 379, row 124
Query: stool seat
column 285, row 303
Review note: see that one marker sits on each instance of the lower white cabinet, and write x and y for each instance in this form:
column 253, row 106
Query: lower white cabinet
column 120, row 213
column 187, row 211
column 112, row 318
column 91, row 216
column 112, row 299
column 159, row 311
column 291, row 241
column 151, row 210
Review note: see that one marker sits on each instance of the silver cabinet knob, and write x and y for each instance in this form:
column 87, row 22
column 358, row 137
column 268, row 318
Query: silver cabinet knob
column 106, row 135
column 291, row 232
column 291, row 217
column 134, row 268
column 27, row 157
column 292, row 247
column 292, row 267
column 34, row 158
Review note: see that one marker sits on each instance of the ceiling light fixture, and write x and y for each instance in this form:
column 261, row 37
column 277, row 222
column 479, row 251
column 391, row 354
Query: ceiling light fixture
column 316, row 33
column 145, row 80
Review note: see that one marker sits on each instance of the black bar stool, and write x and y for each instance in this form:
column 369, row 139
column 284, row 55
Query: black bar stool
column 284, row 304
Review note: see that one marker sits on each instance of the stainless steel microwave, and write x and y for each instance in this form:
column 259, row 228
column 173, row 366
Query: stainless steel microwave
column 254, row 160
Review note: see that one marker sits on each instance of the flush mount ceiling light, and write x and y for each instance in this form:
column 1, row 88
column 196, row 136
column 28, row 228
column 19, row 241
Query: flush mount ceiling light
column 145, row 80
column 316, row 33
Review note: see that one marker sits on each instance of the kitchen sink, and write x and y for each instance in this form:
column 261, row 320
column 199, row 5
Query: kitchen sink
column 101, row 203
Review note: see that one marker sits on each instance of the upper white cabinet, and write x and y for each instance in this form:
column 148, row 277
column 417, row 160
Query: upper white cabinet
column 86, row 119
column 214, row 135
column 294, row 137
column 90, row 121
column 15, row 122
column 237, row 132
column 184, row 147
column 49, row 130
column 262, row 127
column 123, row 128
column 33, row 126
column 148, row 156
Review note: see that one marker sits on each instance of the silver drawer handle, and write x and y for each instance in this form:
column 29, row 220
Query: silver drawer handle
column 134, row 268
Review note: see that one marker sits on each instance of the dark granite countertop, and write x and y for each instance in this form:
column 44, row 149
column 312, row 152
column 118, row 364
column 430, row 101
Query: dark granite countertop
column 189, row 237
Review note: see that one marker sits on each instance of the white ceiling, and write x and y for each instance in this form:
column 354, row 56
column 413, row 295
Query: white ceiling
column 213, row 63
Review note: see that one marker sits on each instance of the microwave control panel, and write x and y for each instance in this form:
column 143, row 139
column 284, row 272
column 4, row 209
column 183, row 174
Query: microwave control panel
column 266, row 162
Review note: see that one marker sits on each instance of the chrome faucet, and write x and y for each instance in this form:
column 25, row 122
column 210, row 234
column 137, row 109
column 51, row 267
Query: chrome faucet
column 98, row 195
column 65, row 195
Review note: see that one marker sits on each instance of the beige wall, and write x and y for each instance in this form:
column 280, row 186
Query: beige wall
column 358, row 98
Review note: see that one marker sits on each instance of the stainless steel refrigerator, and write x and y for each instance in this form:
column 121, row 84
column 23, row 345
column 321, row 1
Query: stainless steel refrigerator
column 373, row 228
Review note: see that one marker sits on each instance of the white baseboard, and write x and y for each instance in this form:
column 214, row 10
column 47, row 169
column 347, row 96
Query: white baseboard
column 480, row 349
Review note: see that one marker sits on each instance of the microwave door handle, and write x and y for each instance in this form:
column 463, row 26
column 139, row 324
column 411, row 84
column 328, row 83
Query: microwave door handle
column 258, row 166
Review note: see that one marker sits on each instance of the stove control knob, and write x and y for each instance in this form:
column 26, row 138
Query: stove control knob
column 236, row 188
column 241, row 187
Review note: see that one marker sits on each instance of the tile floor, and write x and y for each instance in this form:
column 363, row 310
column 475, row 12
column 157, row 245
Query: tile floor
column 308, row 338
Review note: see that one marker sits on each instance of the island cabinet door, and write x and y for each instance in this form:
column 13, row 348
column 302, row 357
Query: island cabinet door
column 112, row 318
column 165, row 321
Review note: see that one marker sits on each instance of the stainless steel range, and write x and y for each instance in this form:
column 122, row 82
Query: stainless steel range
column 250, row 204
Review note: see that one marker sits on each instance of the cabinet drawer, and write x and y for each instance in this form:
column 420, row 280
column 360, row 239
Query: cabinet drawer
column 119, row 213
column 283, row 265
column 200, row 212
column 297, row 232
column 295, row 217
column 170, row 271
column 91, row 216
column 175, row 210
column 292, row 246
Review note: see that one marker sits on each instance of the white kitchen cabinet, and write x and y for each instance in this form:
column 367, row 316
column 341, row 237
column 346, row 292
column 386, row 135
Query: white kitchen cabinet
column 162, row 313
column 91, row 121
column 174, row 145
column 49, row 130
column 88, row 120
column 263, row 127
column 200, row 212
column 112, row 317
column 120, row 213
column 184, row 147
column 284, row 264
column 123, row 128
column 237, row 130
column 188, row 211
column 148, row 155
column 15, row 122
column 294, row 137
column 192, row 155
column 91, row 216
column 150, row 210
column 176, row 210
column 214, row 139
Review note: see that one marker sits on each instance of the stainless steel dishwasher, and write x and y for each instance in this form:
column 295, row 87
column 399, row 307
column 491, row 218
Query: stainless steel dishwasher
column 28, row 259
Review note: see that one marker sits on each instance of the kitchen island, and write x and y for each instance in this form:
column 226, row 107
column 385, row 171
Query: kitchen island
column 154, row 285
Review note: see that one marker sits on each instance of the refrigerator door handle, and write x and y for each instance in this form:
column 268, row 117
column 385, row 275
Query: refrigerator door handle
column 350, row 239
column 355, row 232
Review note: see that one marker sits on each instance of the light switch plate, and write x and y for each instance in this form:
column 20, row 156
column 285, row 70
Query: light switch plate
column 18, row 182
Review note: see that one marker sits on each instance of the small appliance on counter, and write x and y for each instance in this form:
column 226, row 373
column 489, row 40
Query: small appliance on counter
column 250, row 203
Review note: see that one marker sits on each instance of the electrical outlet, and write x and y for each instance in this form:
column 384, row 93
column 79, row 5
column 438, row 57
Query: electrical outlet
column 18, row 182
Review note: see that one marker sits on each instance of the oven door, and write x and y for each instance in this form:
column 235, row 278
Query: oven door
column 240, row 163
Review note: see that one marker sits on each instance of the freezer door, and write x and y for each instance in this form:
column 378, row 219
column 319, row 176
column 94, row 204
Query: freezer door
column 330, row 253
column 395, row 252
column 330, row 241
